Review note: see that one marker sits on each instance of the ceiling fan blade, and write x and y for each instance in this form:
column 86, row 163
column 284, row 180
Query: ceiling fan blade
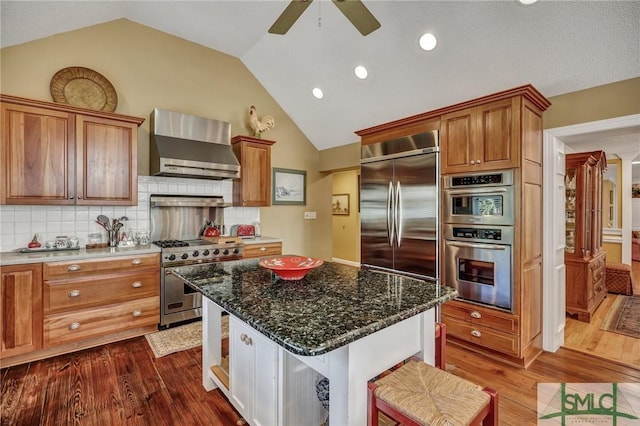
column 359, row 15
column 289, row 16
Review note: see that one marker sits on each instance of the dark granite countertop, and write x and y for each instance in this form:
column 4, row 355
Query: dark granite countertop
column 332, row 306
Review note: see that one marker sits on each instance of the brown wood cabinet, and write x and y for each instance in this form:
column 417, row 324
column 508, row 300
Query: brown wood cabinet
column 95, row 297
column 584, row 256
column 58, row 154
column 485, row 137
column 21, row 309
column 261, row 250
column 501, row 131
column 253, row 188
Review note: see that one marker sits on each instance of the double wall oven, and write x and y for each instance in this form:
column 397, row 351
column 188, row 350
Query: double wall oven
column 478, row 231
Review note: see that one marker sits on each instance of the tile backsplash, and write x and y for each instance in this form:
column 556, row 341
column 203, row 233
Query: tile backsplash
column 18, row 224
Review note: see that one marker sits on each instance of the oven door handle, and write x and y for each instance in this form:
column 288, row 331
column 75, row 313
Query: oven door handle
column 478, row 246
column 474, row 191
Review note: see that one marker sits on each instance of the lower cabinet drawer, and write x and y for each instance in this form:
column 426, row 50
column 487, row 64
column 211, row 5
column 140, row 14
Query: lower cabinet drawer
column 480, row 316
column 483, row 336
column 259, row 250
column 87, row 323
column 67, row 295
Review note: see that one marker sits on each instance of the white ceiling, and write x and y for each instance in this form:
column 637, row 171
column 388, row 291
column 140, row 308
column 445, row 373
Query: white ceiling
column 483, row 47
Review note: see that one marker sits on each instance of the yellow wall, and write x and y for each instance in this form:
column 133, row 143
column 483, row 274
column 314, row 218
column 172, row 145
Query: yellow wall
column 614, row 251
column 346, row 229
column 150, row 69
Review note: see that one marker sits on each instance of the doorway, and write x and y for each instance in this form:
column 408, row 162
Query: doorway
column 345, row 223
column 557, row 142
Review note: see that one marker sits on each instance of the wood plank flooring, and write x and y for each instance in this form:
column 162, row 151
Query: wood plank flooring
column 123, row 384
column 587, row 337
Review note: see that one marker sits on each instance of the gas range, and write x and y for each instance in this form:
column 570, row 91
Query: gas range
column 185, row 252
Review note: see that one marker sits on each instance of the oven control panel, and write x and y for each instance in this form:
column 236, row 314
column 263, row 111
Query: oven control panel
column 478, row 233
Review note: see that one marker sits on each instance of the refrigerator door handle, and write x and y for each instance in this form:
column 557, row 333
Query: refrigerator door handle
column 390, row 217
column 398, row 213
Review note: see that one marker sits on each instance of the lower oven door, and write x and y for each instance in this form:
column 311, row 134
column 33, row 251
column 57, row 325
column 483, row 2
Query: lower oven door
column 480, row 272
column 179, row 301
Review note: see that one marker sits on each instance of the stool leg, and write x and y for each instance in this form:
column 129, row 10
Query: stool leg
column 372, row 410
column 492, row 418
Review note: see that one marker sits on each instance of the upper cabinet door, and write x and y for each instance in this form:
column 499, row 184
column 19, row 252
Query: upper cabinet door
column 481, row 138
column 106, row 161
column 37, row 156
column 253, row 188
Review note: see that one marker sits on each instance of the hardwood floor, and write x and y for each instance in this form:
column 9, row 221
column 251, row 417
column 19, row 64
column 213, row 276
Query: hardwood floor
column 123, row 384
column 587, row 337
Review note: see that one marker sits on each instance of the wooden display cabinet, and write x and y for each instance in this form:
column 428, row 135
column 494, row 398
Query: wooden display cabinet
column 584, row 256
column 253, row 188
column 59, row 154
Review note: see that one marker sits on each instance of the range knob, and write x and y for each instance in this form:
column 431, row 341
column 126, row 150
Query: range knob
column 225, row 252
column 171, row 257
column 205, row 253
column 185, row 255
column 216, row 251
column 196, row 253
column 236, row 251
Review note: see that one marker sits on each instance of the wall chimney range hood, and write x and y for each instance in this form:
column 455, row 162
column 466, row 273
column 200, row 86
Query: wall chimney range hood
column 185, row 145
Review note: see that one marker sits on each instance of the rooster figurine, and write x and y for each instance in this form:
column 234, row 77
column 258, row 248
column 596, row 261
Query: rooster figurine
column 260, row 126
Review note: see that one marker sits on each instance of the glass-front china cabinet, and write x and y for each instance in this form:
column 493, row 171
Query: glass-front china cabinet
column 584, row 257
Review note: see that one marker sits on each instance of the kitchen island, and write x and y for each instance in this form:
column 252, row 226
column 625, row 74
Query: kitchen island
column 339, row 322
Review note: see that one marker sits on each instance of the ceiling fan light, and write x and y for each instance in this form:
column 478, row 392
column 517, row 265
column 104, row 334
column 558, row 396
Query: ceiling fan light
column 361, row 72
column 526, row 2
column 428, row 42
column 317, row 93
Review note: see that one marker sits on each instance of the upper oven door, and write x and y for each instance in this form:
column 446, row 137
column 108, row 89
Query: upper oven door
column 486, row 206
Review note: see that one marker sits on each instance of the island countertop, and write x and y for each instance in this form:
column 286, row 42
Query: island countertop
column 332, row 306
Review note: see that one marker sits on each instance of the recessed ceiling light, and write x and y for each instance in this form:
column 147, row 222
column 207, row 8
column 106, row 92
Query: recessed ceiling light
column 317, row 92
column 361, row 72
column 428, row 41
column 526, row 2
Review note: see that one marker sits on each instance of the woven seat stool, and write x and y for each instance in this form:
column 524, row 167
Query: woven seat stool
column 420, row 394
column 618, row 278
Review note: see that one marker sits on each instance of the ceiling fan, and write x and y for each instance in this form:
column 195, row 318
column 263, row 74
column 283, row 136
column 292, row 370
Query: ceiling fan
column 354, row 10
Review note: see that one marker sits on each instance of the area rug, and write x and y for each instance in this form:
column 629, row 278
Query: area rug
column 180, row 338
column 624, row 316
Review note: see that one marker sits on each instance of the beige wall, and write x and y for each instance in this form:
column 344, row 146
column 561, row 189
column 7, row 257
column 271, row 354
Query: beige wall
column 150, row 69
column 346, row 228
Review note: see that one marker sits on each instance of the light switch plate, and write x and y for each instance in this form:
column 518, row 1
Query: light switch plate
column 310, row 215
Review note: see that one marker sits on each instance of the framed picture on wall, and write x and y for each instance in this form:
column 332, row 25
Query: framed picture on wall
column 289, row 187
column 340, row 204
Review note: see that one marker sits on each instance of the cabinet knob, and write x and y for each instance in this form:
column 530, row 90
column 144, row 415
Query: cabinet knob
column 137, row 313
column 136, row 261
column 245, row 339
column 472, row 162
column 73, row 268
column 74, row 293
column 476, row 333
column 74, row 326
column 263, row 249
column 478, row 161
column 79, row 197
column 136, row 284
column 71, row 197
column 476, row 315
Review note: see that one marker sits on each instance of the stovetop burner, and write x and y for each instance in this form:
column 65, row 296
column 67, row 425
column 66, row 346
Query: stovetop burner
column 171, row 243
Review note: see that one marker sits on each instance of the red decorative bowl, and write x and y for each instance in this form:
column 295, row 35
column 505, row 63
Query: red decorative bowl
column 291, row 267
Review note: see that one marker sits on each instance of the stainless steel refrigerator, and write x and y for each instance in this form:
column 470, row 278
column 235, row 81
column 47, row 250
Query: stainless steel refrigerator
column 399, row 204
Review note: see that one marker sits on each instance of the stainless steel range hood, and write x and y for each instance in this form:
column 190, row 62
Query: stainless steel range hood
column 184, row 145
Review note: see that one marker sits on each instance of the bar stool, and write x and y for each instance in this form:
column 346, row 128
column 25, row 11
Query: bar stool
column 419, row 394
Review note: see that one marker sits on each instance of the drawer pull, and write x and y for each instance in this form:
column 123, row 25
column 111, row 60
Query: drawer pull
column 476, row 333
column 475, row 314
column 137, row 313
column 136, row 261
column 263, row 249
column 74, row 267
column 136, row 284
column 245, row 339
column 74, row 326
column 74, row 293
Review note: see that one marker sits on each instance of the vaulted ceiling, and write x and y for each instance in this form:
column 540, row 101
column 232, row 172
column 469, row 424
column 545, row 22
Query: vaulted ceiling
column 483, row 47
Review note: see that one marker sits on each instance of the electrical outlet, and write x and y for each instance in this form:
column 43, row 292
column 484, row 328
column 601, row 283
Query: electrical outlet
column 310, row 215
